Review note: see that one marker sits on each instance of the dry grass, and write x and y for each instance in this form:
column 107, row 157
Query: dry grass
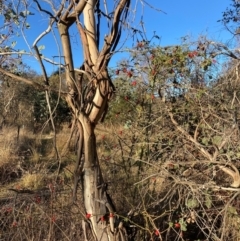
column 34, row 181
column 8, row 139
column 151, row 187
column 28, row 158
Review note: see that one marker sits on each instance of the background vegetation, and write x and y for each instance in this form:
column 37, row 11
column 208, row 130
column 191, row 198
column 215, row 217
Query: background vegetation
column 169, row 148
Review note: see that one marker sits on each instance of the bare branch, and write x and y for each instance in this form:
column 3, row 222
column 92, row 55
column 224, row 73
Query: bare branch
column 15, row 52
column 151, row 6
column 112, row 37
column 44, row 32
column 24, row 80
column 84, row 44
column 65, row 15
column 77, row 11
column 234, row 174
column 189, row 137
column 90, row 25
column 43, row 10
column 37, row 86
column 31, row 54
column 224, row 50
column 83, row 72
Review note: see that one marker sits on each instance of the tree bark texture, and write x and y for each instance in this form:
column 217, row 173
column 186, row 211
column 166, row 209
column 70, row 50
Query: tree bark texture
column 89, row 105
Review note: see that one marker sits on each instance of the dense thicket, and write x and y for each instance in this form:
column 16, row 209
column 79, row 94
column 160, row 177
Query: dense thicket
column 169, row 151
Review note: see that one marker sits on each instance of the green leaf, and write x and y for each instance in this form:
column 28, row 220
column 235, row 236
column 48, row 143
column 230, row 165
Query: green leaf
column 41, row 47
column 183, row 224
column 12, row 13
column 192, row 203
column 13, row 44
column 27, row 25
column 16, row 21
column 216, row 140
column 208, row 201
column 170, row 224
column 205, row 141
column 232, row 210
column 128, row 124
column 25, row 13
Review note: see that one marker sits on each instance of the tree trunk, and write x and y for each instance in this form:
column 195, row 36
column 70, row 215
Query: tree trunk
column 99, row 209
column 92, row 181
column 89, row 106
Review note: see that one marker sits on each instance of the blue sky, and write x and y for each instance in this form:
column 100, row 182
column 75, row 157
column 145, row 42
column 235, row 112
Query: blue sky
column 178, row 19
column 187, row 17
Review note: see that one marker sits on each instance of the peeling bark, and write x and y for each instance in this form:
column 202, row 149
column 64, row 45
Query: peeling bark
column 90, row 26
column 89, row 105
column 68, row 59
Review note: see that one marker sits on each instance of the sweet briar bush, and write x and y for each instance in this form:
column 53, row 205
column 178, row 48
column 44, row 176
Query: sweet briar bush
column 178, row 135
column 165, row 72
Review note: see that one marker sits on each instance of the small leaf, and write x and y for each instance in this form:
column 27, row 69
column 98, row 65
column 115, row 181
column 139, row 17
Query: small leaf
column 16, row 22
column 183, row 224
column 192, row 203
column 27, row 25
column 13, row 44
column 25, row 13
column 232, row 210
column 13, row 13
column 205, row 141
column 170, row 224
column 41, row 47
column 128, row 124
column 216, row 140
column 208, row 201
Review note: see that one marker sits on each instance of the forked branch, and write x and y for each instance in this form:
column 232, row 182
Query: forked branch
column 212, row 158
column 232, row 173
column 24, row 80
column 190, row 138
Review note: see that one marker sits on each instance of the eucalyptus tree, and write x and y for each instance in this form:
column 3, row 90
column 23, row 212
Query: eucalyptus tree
column 88, row 102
